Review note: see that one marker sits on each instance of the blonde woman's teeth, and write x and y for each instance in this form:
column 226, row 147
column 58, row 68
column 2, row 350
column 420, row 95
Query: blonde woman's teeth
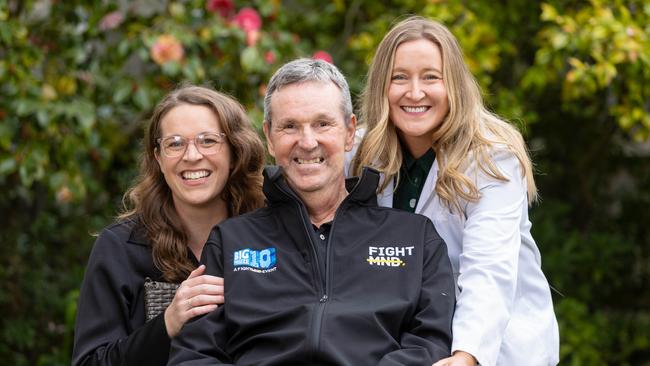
column 415, row 109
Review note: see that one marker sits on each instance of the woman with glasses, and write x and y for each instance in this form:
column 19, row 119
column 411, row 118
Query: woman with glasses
column 445, row 156
column 201, row 164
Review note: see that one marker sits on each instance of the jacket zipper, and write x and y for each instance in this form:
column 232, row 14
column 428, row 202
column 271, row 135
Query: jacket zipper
column 317, row 317
column 322, row 302
column 321, row 290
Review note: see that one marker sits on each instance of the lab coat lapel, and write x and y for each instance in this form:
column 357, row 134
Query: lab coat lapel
column 385, row 197
column 427, row 197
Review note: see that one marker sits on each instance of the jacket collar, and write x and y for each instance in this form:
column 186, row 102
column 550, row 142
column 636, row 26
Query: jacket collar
column 137, row 235
column 362, row 189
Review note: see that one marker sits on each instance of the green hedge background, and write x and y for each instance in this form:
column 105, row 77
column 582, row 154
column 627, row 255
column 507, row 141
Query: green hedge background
column 78, row 79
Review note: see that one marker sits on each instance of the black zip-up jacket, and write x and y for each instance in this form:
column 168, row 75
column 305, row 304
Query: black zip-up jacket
column 387, row 297
column 110, row 328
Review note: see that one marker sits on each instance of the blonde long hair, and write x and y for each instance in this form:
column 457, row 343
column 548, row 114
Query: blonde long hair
column 467, row 135
column 149, row 201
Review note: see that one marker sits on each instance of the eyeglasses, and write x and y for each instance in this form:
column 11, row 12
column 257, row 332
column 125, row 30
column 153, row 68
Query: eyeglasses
column 206, row 143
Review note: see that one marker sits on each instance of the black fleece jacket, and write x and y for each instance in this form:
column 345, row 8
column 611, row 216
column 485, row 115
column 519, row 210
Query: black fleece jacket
column 110, row 328
column 387, row 296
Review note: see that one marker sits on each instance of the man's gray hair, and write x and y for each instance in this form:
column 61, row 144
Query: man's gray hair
column 303, row 70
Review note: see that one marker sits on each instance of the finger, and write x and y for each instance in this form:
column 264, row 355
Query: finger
column 208, row 289
column 202, row 290
column 197, row 272
column 206, row 300
column 204, row 279
column 442, row 362
column 212, row 280
column 199, row 310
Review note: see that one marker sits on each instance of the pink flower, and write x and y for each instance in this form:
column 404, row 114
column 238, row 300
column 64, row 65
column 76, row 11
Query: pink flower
column 248, row 20
column 111, row 20
column 269, row 57
column 223, row 7
column 167, row 48
column 322, row 55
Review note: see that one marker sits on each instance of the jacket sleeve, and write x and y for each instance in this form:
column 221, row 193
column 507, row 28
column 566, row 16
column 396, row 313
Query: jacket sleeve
column 427, row 338
column 488, row 262
column 202, row 340
column 102, row 328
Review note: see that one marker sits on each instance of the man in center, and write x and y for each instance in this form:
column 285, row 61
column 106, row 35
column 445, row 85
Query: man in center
column 322, row 275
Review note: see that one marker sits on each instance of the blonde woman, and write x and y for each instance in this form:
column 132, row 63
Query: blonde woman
column 444, row 155
column 202, row 163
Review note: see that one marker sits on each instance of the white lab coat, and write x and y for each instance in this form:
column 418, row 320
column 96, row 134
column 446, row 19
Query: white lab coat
column 504, row 311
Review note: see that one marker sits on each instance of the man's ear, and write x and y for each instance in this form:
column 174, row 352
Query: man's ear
column 351, row 129
column 266, row 126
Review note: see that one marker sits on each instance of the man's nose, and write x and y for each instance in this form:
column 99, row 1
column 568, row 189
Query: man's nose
column 308, row 139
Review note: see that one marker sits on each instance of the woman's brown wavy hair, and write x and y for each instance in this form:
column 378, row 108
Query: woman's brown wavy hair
column 149, row 201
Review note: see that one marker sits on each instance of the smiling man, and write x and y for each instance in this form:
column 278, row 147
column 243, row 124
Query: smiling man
column 308, row 134
column 322, row 275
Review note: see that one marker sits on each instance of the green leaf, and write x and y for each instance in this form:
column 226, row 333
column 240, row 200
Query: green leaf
column 559, row 40
column 42, row 117
column 548, row 12
column 57, row 180
column 171, row 68
column 25, row 107
column 250, row 59
column 123, row 48
column 85, row 113
column 141, row 98
column 7, row 166
column 122, row 92
column 6, row 134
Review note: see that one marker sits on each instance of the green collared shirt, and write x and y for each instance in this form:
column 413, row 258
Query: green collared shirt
column 413, row 174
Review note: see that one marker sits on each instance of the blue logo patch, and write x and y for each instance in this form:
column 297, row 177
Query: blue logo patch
column 261, row 261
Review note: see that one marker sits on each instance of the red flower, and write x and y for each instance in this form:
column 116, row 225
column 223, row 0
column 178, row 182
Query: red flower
column 322, row 55
column 248, row 20
column 223, row 7
column 167, row 48
column 269, row 57
column 111, row 20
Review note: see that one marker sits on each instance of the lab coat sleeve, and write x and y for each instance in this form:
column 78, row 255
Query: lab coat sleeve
column 202, row 341
column 102, row 335
column 488, row 261
column 427, row 338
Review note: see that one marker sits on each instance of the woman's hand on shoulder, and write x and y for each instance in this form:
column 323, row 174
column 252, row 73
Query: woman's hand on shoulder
column 459, row 358
column 198, row 294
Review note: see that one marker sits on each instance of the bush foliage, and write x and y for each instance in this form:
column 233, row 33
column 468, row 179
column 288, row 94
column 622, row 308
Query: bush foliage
column 77, row 80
